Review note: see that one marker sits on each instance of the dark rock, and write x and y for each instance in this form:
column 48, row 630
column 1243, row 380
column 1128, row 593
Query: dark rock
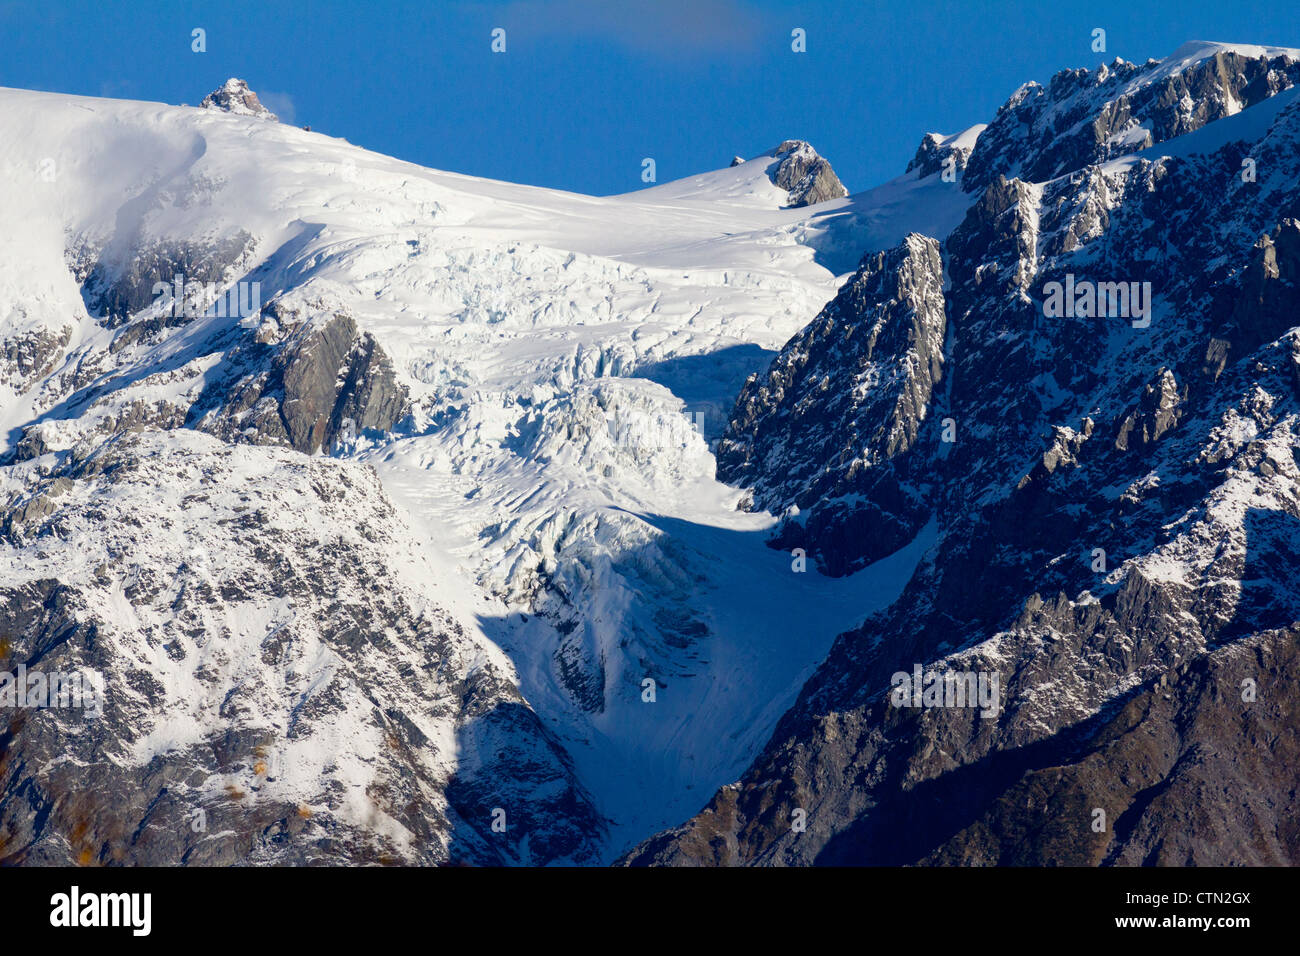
column 823, row 429
column 323, row 382
column 804, row 175
column 937, row 152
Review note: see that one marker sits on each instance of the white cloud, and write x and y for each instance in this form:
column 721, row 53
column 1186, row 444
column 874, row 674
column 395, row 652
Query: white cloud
column 281, row 104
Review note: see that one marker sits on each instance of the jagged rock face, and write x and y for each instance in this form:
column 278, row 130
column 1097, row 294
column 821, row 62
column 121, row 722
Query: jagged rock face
column 1118, row 522
column 1264, row 306
column 1087, row 116
column 117, row 289
column 806, row 176
column 308, row 384
column 1154, row 764
column 305, row 380
column 235, row 97
column 278, row 686
column 29, row 357
column 845, row 397
column 938, row 152
column 1157, row 411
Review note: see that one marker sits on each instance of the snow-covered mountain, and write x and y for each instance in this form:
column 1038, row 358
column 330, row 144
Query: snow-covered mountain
column 1112, row 483
column 386, row 502
column 443, row 444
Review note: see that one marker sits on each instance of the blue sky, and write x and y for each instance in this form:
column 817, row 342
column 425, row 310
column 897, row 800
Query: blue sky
column 587, row 88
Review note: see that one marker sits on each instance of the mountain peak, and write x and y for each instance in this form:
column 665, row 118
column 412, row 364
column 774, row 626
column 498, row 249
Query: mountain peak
column 806, row 176
column 933, row 155
column 236, row 97
column 1082, row 117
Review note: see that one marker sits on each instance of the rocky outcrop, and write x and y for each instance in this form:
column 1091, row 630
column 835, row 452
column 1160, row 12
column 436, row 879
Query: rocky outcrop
column 28, row 357
column 804, row 175
column 315, row 382
column 235, row 97
column 938, row 153
column 820, row 433
column 119, row 284
column 1264, row 305
column 1156, row 412
column 331, row 376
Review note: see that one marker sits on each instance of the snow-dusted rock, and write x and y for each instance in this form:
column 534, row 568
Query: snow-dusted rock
column 234, row 96
column 1088, row 116
column 804, row 175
